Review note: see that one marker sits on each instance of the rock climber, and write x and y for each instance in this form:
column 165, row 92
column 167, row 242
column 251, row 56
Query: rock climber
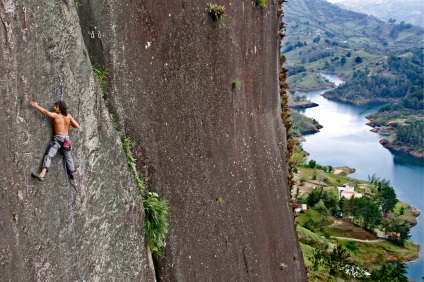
column 61, row 141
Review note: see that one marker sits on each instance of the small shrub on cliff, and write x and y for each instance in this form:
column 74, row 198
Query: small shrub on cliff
column 155, row 209
column 236, row 84
column 260, row 3
column 156, row 222
column 218, row 14
column 216, row 11
column 101, row 74
column 220, row 200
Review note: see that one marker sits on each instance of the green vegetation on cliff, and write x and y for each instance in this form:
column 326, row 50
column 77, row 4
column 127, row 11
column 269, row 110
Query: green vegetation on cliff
column 156, row 210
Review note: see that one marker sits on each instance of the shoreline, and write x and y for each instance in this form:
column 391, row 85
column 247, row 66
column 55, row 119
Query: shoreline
column 402, row 149
column 321, row 87
column 386, row 130
column 304, row 105
column 356, row 103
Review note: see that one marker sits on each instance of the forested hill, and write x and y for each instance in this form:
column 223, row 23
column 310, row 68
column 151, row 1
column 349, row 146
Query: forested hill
column 307, row 19
column 379, row 61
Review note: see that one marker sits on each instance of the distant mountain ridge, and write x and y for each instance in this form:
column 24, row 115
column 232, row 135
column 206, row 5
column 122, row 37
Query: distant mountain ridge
column 311, row 18
column 409, row 11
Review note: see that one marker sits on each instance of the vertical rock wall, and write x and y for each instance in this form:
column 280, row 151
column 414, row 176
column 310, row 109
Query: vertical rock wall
column 215, row 151
column 36, row 242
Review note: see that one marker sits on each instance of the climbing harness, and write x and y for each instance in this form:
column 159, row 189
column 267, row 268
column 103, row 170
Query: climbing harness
column 72, row 220
column 25, row 17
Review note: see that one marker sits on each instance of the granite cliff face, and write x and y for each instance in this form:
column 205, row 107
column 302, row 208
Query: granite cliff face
column 36, row 242
column 216, row 152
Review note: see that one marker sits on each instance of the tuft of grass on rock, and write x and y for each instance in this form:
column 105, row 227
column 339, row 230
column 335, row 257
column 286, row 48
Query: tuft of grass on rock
column 156, row 222
column 260, row 3
column 101, row 74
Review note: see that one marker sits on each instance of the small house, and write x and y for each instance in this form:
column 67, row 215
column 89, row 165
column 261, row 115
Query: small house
column 301, row 208
column 348, row 192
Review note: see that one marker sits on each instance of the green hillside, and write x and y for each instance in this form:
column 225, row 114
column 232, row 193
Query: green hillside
column 379, row 61
column 306, row 20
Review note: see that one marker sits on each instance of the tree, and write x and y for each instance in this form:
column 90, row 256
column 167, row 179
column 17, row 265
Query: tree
column 316, row 39
column 314, row 196
column 330, row 201
column 365, row 210
column 323, row 212
column 387, row 199
column 298, row 159
column 396, row 227
column 358, row 60
column 342, row 61
column 337, row 262
column 312, row 164
column 389, row 272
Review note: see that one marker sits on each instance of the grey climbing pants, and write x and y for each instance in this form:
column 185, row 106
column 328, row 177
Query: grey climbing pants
column 62, row 143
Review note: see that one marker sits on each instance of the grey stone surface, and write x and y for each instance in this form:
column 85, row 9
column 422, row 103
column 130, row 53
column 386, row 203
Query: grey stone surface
column 215, row 152
column 36, row 242
column 198, row 139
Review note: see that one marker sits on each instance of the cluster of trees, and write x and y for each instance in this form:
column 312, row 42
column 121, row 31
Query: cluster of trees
column 404, row 83
column 336, row 263
column 339, row 263
column 412, row 70
column 363, row 85
column 394, row 33
column 298, row 44
column 293, row 70
column 318, row 56
column 367, row 211
column 411, row 135
column 315, row 165
column 390, row 272
column 335, row 43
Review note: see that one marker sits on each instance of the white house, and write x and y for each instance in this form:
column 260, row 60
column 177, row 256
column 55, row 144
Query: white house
column 348, row 192
column 301, row 208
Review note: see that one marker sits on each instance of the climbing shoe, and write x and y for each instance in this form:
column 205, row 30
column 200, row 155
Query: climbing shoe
column 38, row 176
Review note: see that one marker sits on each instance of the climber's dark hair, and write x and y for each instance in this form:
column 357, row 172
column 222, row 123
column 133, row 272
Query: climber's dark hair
column 62, row 107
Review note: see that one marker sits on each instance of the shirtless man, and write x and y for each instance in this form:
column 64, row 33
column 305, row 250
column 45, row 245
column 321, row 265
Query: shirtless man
column 61, row 141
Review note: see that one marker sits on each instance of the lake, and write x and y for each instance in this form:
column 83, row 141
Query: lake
column 345, row 140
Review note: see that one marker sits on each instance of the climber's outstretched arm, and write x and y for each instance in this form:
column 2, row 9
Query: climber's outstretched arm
column 42, row 110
